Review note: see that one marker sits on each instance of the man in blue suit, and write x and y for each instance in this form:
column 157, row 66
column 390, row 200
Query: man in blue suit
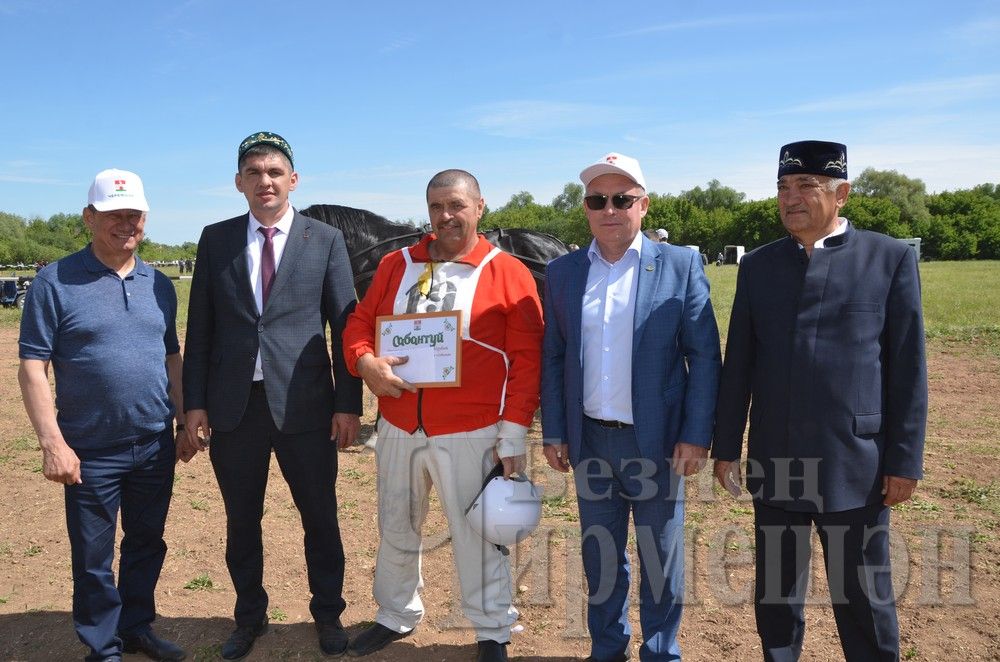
column 826, row 340
column 630, row 371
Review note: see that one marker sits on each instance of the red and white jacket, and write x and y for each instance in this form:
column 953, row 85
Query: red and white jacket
column 501, row 339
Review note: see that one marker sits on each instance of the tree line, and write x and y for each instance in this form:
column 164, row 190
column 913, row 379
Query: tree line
column 953, row 225
column 37, row 240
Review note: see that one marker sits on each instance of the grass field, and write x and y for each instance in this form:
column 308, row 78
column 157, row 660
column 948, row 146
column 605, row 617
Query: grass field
column 961, row 300
column 946, row 541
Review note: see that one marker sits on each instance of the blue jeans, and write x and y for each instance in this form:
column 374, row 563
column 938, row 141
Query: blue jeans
column 613, row 480
column 137, row 477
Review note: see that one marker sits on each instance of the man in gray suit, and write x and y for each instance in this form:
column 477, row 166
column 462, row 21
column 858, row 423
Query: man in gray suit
column 266, row 286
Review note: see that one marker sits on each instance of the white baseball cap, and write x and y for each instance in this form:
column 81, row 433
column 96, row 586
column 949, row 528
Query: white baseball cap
column 117, row 189
column 617, row 164
column 662, row 234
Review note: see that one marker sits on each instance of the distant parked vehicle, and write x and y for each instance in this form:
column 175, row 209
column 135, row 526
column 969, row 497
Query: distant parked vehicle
column 733, row 254
column 13, row 290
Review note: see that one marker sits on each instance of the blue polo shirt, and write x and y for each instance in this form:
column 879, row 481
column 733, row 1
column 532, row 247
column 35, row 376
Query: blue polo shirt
column 107, row 339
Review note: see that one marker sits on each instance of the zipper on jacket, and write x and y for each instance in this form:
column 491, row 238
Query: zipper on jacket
column 420, row 406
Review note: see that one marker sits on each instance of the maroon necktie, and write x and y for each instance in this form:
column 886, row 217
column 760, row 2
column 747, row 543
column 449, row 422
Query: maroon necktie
column 266, row 263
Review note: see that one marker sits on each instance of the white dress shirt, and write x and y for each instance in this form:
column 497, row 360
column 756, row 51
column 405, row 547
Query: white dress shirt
column 606, row 333
column 841, row 229
column 255, row 245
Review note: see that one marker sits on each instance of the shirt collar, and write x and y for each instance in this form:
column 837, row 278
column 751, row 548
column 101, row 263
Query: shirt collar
column 93, row 265
column 841, row 229
column 284, row 224
column 635, row 248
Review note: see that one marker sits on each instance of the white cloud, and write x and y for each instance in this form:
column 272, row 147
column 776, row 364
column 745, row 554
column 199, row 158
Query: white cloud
column 980, row 32
column 397, row 44
column 394, row 206
column 922, row 94
column 12, row 7
column 27, row 179
column 542, row 119
column 372, row 172
column 702, row 23
column 942, row 166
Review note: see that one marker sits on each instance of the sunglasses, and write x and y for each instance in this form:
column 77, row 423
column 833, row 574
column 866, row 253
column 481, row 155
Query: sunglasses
column 620, row 201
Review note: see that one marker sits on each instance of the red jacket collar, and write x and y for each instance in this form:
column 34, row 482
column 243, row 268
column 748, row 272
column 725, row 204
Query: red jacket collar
column 419, row 252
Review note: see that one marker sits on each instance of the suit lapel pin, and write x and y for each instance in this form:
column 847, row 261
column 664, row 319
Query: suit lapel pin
column 649, row 267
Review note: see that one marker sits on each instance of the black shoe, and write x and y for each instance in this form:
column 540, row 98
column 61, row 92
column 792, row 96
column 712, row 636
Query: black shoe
column 375, row 637
column 332, row 638
column 492, row 651
column 241, row 640
column 152, row 646
column 624, row 657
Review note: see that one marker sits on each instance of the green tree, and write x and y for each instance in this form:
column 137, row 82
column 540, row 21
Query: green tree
column 966, row 224
column 908, row 194
column 714, row 196
column 755, row 223
column 570, row 198
column 878, row 214
column 520, row 199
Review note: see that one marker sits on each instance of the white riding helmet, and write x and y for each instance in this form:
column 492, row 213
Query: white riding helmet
column 505, row 512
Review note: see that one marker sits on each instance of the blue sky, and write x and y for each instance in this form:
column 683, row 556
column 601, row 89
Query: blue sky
column 376, row 97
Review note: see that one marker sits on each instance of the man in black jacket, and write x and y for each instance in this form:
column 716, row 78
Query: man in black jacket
column 826, row 340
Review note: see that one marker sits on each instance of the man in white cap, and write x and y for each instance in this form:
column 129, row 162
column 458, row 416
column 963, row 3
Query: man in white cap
column 631, row 430
column 104, row 319
column 662, row 236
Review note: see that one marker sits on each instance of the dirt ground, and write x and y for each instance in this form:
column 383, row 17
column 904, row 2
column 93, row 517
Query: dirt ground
column 946, row 553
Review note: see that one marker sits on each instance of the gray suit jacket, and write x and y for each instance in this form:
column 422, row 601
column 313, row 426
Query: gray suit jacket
column 313, row 288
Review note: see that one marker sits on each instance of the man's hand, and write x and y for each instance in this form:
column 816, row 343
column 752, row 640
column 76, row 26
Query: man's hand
column 344, row 429
column 199, row 432
column 515, row 464
column 688, row 459
column 728, row 474
column 897, row 489
column 185, row 451
column 377, row 373
column 61, row 465
column 557, row 455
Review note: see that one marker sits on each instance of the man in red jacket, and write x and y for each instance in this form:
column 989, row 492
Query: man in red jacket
column 449, row 437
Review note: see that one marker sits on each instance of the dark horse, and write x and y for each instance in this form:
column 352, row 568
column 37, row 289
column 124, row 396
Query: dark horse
column 370, row 237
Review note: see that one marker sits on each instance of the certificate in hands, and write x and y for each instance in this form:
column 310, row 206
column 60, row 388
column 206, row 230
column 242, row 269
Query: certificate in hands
column 432, row 343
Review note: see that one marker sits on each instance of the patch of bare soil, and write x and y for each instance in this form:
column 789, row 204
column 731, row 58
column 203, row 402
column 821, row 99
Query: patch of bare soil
column 946, row 551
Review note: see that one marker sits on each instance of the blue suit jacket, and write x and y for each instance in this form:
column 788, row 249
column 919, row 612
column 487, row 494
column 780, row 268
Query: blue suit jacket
column 831, row 353
column 313, row 289
column 675, row 352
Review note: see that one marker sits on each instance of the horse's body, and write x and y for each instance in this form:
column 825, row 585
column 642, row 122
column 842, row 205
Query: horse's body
column 370, row 237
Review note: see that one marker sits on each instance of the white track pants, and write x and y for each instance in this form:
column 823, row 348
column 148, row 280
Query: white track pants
column 455, row 464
